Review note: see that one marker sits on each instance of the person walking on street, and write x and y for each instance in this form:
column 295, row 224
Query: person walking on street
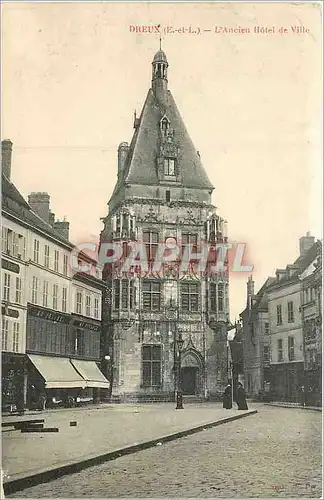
column 42, row 402
column 302, row 396
column 241, row 398
column 227, row 397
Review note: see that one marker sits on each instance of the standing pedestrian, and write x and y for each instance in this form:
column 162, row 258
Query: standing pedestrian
column 227, row 397
column 241, row 398
column 302, row 396
column 42, row 402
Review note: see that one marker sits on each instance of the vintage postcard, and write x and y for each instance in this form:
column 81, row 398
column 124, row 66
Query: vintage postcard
column 161, row 273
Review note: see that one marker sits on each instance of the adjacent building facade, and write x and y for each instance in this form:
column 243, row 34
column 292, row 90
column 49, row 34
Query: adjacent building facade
column 311, row 312
column 51, row 313
column 282, row 327
column 256, row 339
column 163, row 195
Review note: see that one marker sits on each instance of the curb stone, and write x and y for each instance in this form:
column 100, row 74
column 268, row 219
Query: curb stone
column 295, row 407
column 19, row 482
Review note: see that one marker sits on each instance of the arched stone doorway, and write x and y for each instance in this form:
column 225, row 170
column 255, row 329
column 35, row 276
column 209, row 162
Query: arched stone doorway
column 191, row 373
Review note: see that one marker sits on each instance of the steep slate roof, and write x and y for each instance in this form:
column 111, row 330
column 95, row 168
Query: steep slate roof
column 300, row 264
column 261, row 301
column 141, row 165
column 14, row 203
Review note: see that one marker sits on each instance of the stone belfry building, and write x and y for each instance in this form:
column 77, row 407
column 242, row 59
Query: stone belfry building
column 163, row 194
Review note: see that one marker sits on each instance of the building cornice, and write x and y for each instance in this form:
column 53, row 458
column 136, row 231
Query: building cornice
column 89, row 280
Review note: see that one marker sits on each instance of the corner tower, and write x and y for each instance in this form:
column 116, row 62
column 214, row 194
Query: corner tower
column 162, row 192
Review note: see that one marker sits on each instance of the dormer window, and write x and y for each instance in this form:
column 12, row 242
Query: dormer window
column 169, row 166
column 165, row 125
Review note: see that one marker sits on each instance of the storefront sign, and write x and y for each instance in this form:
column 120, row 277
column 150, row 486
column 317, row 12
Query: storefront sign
column 49, row 315
column 10, row 266
column 12, row 313
column 86, row 326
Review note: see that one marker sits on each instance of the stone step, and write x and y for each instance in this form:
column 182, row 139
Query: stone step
column 38, row 429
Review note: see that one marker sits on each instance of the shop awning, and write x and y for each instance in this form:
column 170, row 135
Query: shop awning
column 58, row 373
column 90, row 372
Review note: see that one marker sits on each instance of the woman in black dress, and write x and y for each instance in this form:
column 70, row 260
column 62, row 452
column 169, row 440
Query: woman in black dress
column 241, row 398
column 227, row 397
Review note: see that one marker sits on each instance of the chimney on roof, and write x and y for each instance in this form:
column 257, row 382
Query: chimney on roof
column 123, row 149
column 62, row 227
column 6, row 153
column 250, row 292
column 51, row 219
column 305, row 243
column 40, row 203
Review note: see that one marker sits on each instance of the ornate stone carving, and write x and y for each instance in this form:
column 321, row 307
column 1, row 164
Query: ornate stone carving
column 151, row 216
column 169, row 148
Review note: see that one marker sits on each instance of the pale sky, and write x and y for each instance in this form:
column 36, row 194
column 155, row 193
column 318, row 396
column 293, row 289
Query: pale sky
column 73, row 74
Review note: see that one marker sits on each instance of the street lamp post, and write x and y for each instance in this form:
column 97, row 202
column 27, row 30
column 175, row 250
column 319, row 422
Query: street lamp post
column 179, row 346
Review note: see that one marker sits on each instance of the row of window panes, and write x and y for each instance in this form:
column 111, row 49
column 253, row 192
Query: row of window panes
column 217, row 297
column 151, row 365
column 290, row 313
column 309, row 295
column 14, row 326
column 56, row 266
column 55, row 294
column 45, row 301
column 10, row 283
column 88, row 305
column 291, row 349
column 124, row 296
column 13, row 243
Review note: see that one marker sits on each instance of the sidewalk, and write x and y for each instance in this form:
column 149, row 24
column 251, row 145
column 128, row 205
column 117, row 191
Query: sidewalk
column 107, row 430
column 288, row 404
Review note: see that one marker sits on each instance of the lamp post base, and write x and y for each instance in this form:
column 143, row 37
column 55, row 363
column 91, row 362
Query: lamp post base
column 179, row 400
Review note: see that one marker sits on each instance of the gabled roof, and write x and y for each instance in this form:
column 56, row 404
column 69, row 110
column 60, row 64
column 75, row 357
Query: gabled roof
column 261, row 301
column 300, row 264
column 141, row 163
column 15, row 204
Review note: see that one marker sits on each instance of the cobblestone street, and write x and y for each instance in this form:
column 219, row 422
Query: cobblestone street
column 275, row 453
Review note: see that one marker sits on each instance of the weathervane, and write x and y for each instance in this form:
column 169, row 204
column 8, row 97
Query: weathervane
column 160, row 36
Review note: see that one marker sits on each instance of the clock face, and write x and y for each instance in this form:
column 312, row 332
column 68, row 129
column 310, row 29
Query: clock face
column 171, row 242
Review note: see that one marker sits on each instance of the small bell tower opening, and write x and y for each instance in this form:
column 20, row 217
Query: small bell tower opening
column 160, row 74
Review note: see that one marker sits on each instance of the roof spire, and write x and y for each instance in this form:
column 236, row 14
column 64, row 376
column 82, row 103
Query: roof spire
column 160, row 73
